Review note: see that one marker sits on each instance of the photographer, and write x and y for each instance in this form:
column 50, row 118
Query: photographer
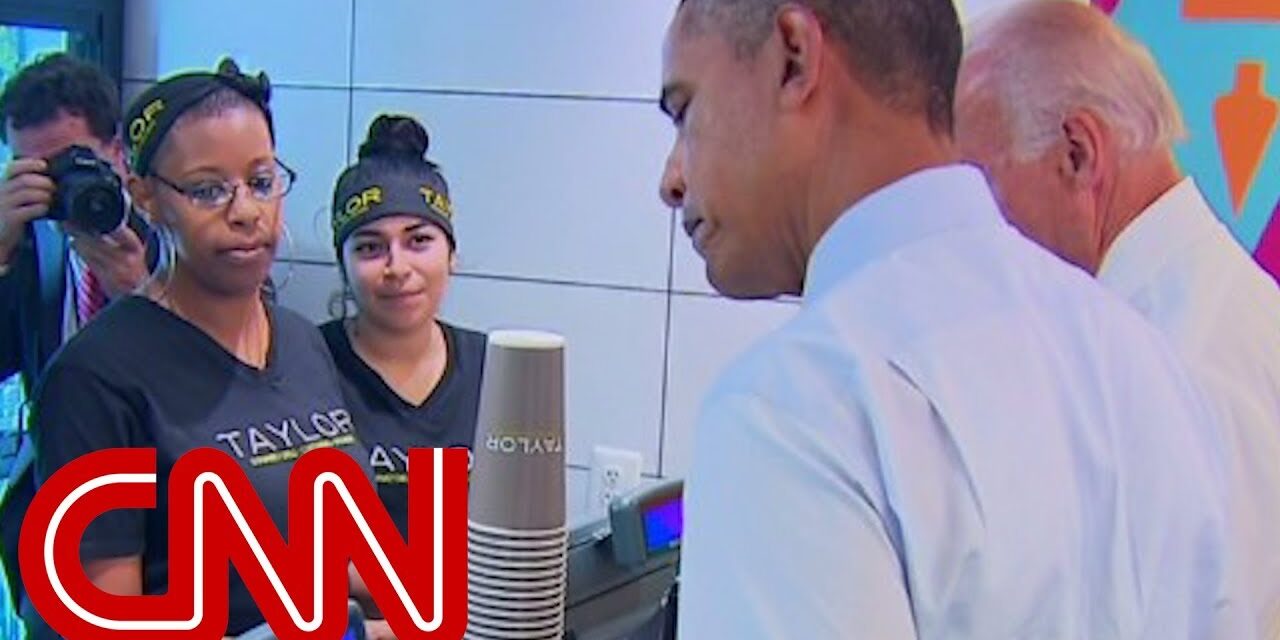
column 55, row 274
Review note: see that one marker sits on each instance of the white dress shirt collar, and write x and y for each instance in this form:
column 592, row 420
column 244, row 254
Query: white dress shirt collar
column 1176, row 220
column 914, row 207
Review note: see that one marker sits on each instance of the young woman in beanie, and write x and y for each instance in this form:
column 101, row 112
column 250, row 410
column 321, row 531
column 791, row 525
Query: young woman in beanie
column 411, row 380
column 198, row 359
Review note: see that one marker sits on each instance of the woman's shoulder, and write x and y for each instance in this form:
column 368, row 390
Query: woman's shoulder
column 124, row 331
column 301, row 343
column 466, row 349
column 467, row 340
column 334, row 333
column 294, row 327
column 128, row 346
column 291, row 320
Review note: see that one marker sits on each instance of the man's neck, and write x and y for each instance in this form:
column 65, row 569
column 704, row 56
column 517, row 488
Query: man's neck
column 864, row 159
column 1143, row 179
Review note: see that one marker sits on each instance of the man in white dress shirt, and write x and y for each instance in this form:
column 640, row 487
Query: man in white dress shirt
column 958, row 436
column 1074, row 123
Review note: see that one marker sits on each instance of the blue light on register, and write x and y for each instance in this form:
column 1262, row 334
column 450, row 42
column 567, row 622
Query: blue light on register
column 663, row 525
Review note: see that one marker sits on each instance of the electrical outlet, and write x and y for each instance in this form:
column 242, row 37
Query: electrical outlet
column 613, row 472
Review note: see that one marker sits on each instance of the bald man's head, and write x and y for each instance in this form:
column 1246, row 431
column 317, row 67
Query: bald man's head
column 1042, row 59
column 1057, row 104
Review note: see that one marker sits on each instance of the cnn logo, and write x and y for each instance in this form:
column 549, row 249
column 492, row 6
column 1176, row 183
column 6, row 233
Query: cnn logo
column 216, row 518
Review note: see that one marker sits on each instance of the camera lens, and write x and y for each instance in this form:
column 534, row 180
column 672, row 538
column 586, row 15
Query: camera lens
column 96, row 207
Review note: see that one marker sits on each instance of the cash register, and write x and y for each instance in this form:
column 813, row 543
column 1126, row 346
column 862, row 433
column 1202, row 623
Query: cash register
column 622, row 568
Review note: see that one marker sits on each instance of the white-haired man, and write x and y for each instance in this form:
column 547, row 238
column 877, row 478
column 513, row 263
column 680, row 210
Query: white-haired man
column 1073, row 123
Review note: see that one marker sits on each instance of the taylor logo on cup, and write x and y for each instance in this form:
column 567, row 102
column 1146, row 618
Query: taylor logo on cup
column 524, row 443
column 216, row 519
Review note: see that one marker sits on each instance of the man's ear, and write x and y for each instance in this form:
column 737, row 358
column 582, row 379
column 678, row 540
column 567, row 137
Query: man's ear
column 802, row 40
column 1084, row 145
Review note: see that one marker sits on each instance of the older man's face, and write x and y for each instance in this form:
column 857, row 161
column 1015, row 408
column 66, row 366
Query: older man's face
column 725, row 171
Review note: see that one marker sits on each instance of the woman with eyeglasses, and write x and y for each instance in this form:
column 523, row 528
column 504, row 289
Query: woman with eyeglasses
column 197, row 358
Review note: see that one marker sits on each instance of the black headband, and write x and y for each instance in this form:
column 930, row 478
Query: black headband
column 152, row 114
column 367, row 192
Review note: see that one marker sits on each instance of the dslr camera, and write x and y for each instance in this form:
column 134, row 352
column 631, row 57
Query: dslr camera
column 87, row 192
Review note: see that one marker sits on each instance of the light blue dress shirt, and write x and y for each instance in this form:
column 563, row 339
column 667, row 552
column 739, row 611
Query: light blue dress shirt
column 958, row 436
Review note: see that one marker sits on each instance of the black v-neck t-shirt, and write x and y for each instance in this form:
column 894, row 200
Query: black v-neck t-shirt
column 140, row 376
column 390, row 425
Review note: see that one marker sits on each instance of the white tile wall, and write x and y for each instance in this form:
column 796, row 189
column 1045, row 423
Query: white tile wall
column 305, row 42
column 578, row 47
column 553, row 189
column 613, row 360
column 306, row 288
column 576, row 481
column 311, row 137
column 689, row 273
column 706, row 334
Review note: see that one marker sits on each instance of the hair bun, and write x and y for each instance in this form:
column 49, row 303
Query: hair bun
column 256, row 87
column 228, row 67
column 396, row 135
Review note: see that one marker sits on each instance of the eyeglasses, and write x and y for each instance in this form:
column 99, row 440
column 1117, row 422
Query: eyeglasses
column 267, row 186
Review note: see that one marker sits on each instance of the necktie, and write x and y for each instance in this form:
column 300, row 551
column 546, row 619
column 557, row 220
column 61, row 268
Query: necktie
column 90, row 296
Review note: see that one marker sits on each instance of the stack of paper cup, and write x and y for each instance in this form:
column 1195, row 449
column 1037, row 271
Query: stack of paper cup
column 516, row 533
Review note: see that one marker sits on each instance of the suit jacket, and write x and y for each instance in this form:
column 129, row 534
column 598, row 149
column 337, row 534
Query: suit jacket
column 32, row 303
column 32, row 299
